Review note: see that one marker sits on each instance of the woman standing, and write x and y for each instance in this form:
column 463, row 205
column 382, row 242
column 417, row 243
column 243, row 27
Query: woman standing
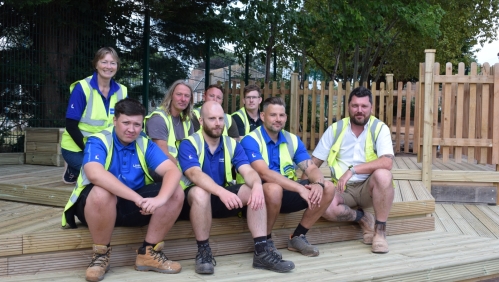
column 90, row 109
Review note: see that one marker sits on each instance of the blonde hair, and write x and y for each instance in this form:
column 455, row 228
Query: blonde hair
column 167, row 100
column 102, row 52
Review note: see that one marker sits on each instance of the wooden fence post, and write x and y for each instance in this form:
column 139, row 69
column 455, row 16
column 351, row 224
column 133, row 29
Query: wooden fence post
column 428, row 117
column 495, row 129
column 389, row 102
column 293, row 107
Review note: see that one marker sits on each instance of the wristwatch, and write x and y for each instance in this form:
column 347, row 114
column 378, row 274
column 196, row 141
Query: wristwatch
column 350, row 168
column 321, row 184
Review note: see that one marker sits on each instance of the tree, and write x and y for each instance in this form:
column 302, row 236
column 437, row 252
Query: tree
column 264, row 29
column 353, row 39
column 55, row 37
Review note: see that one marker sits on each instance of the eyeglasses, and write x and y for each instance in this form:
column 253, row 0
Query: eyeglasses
column 251, row 97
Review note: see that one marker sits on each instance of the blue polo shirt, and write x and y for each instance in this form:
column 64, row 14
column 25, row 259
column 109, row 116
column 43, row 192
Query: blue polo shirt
column 213, row 164
column 78, row 100
column 251, row 148
column 125, row 163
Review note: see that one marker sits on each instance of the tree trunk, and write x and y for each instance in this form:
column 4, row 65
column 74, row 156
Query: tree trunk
column 56, row 48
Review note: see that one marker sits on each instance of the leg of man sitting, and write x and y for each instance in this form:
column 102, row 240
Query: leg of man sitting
column 279, row 201
column 376, row 191
column 200, row 216
column 202, row 212
column 101, row 211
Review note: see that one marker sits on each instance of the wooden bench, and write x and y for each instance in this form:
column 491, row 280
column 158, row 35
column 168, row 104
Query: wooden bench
column 39, row 242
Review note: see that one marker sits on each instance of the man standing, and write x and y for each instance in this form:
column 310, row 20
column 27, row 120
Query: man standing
column 171, row 122
column 359, row 152
column 248, row 117
column 215, row 93
column 273, row 152
column 206, row 158
column 115, row 189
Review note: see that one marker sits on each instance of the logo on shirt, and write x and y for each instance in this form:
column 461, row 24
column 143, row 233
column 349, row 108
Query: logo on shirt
column 72, row 106
column 190, row 157
column 253, row 155
column 96, row 157
column 221, row 160
column 111, row 111
column 136, row 166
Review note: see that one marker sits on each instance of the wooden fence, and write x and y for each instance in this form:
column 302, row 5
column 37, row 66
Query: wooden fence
column 460, row 116
column 397, row 108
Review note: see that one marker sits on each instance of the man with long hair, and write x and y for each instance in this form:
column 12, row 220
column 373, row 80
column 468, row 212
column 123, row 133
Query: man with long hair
column 172, row 121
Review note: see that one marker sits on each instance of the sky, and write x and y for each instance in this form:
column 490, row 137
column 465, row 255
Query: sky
column 488, row 54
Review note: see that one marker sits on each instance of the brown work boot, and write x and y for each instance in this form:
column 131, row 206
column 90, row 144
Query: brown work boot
column 99, row 264
column 367, row 224
column 152, row 258
column 380, row 246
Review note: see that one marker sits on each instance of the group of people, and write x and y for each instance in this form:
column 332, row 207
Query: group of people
column 180, row 162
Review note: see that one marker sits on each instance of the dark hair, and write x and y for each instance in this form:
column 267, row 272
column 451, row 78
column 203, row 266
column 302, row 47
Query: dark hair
column 273, row 101
column 219, row 87
column 252, row 87
column 129, row 107
column 102, row 52
column 360, row 92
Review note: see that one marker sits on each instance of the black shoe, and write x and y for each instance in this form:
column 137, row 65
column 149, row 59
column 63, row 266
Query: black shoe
column 272, row 248
column 270, row 261
column 205, row 262
column 69, row 176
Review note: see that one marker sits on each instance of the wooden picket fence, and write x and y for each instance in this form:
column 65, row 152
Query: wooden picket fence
column 388, row 105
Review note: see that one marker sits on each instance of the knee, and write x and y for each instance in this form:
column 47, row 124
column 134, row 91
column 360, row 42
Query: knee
column 334, row 209
column 383, row 178
column 198, row 197
column 273, row 193
column 100, row 198
column 329, row 190
column 178, row 196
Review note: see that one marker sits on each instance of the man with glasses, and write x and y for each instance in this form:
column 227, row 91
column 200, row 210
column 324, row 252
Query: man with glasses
column 214, row 92
column 248, row 117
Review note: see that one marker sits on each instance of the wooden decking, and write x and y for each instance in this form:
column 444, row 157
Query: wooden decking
column 464, row 245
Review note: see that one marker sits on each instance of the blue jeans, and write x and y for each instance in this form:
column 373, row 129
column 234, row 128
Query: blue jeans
column 73, row 159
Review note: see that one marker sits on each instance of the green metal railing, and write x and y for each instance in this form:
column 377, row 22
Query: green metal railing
column 41, row 55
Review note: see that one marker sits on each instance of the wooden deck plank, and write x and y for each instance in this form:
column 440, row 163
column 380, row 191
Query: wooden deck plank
column 444, row 217
column 420, row 191
column 412, row 162
column 491, row 211
column 439, row 226
column 460, row 176
column 397, row 197
column 11, row 245
column 460, row 221
column 476, row 224
column 406, row 191
column 400, row 164
column 492, row 224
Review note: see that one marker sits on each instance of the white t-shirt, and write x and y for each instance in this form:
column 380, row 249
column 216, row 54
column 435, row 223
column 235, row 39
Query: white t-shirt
column 352, row 149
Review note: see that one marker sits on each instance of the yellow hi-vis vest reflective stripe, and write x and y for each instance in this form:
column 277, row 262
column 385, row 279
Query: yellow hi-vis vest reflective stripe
column 106, row 136
column 244, row 117
column 94, row 118
column 172, row 142
column 286, row 151
column 227, row 119
column 229, row 145
column 338, row 131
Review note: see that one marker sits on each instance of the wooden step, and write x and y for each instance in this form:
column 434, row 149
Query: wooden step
column 185, row 248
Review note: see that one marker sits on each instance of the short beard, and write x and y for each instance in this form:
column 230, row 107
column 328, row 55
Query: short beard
column 273, row 130
column 211, row 133
column 354, row 121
